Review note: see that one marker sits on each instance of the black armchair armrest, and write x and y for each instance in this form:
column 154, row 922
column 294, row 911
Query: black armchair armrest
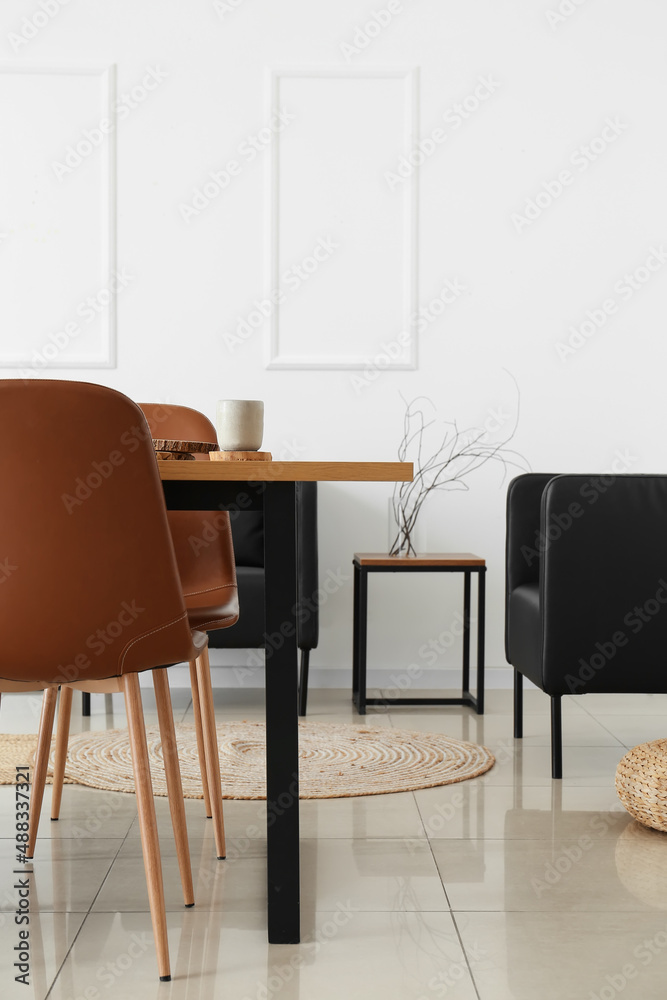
column 523, row 539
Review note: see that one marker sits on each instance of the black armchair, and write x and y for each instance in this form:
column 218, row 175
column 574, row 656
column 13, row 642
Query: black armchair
column 248, row 533
column 586, row 588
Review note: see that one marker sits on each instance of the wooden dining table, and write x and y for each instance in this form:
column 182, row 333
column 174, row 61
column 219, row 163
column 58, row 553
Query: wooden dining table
column 270, row 487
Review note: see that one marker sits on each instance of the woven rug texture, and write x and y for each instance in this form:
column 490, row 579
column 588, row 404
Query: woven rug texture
column 335, row 761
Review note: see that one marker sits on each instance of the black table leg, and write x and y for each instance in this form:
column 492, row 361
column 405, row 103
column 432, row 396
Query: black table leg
column 282, row 736
column 466, row 634
column 355, row 639
column 362, row 631
column 481, row 613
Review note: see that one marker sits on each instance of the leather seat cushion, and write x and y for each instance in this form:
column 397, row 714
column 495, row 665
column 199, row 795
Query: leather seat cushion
column 222, row 611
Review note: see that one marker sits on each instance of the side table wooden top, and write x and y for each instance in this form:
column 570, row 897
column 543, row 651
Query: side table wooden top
column 421, row 559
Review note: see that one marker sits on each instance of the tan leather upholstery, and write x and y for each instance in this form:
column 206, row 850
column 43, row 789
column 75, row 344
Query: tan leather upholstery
column 90, row 569
column 208, row 570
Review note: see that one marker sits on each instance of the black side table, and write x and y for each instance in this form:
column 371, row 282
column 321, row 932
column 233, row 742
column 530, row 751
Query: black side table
column 445, row 562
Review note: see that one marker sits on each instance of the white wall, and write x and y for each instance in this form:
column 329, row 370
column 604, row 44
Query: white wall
column 555, row 81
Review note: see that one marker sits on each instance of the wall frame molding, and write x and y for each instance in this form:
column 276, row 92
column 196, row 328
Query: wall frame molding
column 276, row 356
column 71, row 357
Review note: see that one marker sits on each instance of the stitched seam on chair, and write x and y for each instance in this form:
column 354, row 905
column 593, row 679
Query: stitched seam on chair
column 202, row 625
column 146, row 634
column 208, row 590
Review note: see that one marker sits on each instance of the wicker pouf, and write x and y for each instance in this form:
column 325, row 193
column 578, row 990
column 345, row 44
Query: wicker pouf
column 641, row 783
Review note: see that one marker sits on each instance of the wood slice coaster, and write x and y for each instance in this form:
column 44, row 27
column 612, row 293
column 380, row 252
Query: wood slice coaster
column 164, row 444
column 240, row 456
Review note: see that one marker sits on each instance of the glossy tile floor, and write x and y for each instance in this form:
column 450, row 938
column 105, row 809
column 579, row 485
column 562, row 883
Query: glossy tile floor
column 507, row 886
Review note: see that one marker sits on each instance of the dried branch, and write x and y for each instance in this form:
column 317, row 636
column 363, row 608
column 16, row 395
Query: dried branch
column 459, row 454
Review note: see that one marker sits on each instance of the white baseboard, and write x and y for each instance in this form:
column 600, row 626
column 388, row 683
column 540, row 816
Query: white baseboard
column 228, row 675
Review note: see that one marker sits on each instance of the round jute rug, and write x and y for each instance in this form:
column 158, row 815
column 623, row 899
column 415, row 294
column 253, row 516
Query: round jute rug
column 335, row 761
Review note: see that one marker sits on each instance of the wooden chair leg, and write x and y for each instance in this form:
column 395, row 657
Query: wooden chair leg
column 172, row 770
column 147, row 820
column 41, row 765
column 62, row 740
column 212, row 756
column 201, row 747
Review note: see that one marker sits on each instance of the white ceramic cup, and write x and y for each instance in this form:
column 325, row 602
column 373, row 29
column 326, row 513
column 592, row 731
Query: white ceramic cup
column 240, row 424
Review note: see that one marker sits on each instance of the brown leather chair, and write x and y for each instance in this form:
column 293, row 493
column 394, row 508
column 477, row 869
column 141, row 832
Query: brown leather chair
column 208, row 580
column 94, row 592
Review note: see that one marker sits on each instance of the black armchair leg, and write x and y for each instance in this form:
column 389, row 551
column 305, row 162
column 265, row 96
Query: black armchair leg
column 303, row 681
column 518, row 705
column 85, row 703
column 556, row 737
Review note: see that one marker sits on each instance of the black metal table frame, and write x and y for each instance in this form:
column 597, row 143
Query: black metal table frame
column 360, row 636
column 278, row 502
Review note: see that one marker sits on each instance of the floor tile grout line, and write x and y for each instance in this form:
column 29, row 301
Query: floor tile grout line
column 465, row 955
column 88, row 912
column 451, row 911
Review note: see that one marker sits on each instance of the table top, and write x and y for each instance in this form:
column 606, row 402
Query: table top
column 421, row 559
column 322, row 472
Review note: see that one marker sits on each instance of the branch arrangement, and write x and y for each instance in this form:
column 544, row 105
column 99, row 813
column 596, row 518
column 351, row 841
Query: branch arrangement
column 460, row 453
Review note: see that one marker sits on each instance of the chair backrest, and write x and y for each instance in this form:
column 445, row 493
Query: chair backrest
column 89, row 583
column 203, row 541
column 179, row 423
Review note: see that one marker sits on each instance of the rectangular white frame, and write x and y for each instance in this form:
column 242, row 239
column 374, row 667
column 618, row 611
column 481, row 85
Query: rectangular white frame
column 275, row 360
column 108, row 233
